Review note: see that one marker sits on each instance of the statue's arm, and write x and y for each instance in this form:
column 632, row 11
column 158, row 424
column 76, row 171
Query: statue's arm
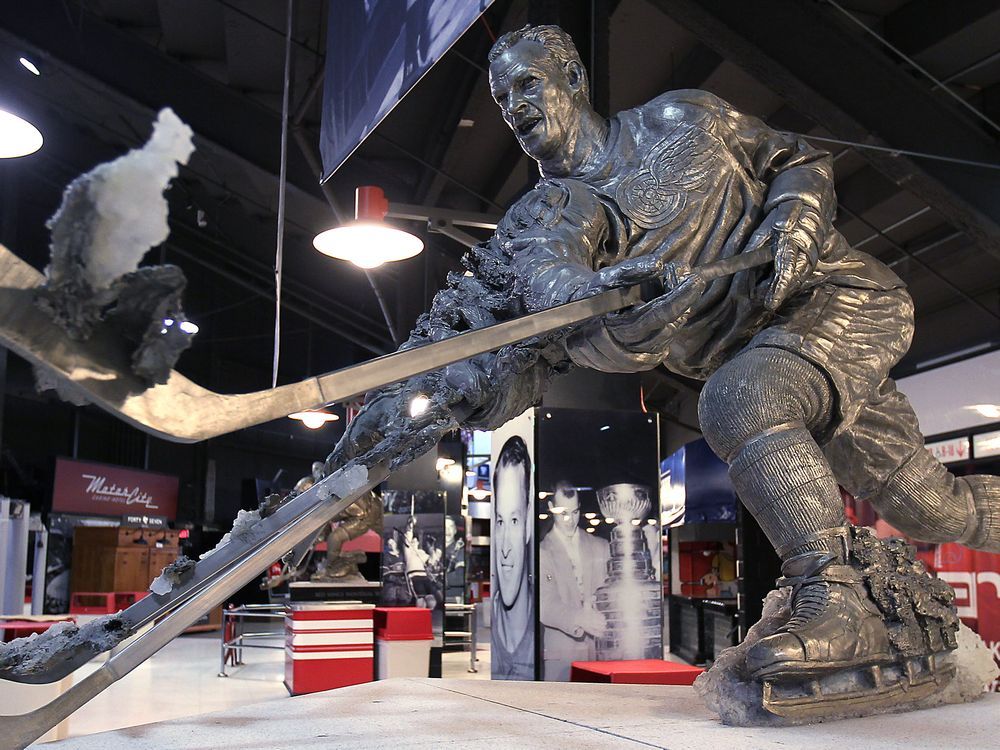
column 800, row 203
column 554, row 234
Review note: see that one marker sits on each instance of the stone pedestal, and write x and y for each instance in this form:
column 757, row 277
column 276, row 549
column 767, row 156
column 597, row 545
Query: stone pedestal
column 470, row 714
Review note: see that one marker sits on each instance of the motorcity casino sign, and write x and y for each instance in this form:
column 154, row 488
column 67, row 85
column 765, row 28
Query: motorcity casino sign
column 104, row 490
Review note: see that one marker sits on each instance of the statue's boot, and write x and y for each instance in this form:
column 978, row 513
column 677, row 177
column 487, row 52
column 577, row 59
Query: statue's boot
column 834, row 624
column 868, row 629
column 983, row 527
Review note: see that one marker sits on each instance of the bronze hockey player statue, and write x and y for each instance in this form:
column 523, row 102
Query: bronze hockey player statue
column 795, row 355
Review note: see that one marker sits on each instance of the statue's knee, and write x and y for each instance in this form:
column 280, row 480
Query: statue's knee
column 761, row 390
column 733, row 408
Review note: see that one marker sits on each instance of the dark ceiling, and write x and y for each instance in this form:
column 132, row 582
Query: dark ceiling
column 806, row 67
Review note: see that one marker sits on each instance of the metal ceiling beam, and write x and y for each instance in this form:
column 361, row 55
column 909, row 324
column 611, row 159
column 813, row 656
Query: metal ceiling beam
column 913, row 254
column 512, row 156
column 696, row 68
column 789, row 119
column 441, row 132
column 791, row 47
column 920, row 24
column 865, row 189
column 139, row 71
column 210, row 261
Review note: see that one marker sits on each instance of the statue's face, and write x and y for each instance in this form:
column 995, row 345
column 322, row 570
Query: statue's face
column 510, row 532
column 538, row 100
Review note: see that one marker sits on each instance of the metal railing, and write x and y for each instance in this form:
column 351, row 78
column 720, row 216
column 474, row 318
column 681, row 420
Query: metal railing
column 468, row 611
column 234, row 640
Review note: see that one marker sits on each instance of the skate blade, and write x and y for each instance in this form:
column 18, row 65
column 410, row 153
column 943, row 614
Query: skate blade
column 898, row 685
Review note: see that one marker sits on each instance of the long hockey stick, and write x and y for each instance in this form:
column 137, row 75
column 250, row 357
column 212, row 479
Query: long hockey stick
column 184, row 412
column 294, row 522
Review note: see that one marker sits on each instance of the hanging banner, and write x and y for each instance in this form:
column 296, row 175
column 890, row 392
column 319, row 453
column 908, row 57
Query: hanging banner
column 376, row 51
column 93, row 489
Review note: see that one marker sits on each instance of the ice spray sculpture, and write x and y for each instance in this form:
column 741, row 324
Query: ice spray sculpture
column 629, row 598
column 109, row 219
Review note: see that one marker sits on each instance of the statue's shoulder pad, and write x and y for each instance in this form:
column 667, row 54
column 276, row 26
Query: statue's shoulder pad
column 546, row 204
column 687, row 104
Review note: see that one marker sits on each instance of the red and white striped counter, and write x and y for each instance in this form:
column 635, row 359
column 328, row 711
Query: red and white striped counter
column 328, row 645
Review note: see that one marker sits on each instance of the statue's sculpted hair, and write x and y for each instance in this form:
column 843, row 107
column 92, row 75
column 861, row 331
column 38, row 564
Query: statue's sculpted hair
column 557, row 43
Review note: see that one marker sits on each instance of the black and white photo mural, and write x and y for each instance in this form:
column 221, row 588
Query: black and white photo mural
column 513, row 621
column 413, row 549
column 454, row 559
column 599, row 567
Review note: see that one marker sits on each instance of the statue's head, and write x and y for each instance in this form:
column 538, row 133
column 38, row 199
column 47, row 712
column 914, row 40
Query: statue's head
column 540, row 85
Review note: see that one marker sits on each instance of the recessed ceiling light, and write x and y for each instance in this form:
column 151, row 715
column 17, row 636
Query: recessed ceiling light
column 29, row 65
column 990, row 411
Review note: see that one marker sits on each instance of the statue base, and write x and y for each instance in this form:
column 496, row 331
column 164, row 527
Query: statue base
column 366, row 592
column 486, row 715
column 728, row 690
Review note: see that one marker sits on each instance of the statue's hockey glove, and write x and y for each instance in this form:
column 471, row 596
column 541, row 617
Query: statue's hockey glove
column 629, row 272
column 638, row 338
column 649, row 327
column 795, row 232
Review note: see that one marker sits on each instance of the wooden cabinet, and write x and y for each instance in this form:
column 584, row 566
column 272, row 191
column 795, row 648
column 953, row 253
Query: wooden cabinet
column 110, row 558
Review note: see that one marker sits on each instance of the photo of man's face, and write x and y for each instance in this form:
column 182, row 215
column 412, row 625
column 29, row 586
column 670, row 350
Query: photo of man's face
column 511, row 533
column 565, row 507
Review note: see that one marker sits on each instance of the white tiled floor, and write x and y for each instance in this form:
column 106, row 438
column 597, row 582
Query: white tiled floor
column 181, row 680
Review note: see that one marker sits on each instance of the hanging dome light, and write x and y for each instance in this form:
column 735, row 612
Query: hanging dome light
column 314, row 419
column 368, row 242
column 18, row 137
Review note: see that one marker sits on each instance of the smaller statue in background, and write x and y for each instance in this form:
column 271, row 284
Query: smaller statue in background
column 338, row 566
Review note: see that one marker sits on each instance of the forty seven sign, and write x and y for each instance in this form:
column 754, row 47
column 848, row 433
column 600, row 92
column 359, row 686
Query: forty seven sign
column 104, row 490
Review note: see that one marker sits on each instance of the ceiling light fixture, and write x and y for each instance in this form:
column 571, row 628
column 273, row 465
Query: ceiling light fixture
column 451, row 474
column 368, row 242
column 990, row 411
column 18, row 137
column 30, row 66
column 314, row 419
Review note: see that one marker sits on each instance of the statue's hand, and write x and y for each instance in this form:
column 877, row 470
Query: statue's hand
column 792, row 229
column 650, row 326
column 627, row 273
